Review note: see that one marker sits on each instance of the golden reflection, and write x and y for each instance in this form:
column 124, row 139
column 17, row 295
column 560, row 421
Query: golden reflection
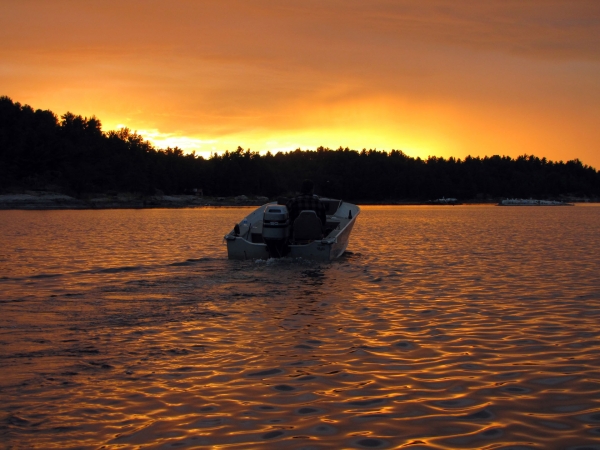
column 435, row 334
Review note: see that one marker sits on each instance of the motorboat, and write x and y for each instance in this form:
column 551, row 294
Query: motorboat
column 267, row 232
column 446, row 201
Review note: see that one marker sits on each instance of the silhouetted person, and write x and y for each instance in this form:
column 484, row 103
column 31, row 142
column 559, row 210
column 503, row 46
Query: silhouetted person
column 306, row 201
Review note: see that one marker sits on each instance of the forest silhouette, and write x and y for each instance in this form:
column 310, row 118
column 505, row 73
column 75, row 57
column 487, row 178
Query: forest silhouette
column 71, row 154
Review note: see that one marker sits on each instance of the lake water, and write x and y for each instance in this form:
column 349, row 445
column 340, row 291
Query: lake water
column 441, row 328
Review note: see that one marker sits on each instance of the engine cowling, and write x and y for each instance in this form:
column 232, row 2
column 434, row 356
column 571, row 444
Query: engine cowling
column 276, row 230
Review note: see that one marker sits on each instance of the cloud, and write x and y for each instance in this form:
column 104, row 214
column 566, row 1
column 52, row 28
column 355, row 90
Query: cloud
column 289, row 30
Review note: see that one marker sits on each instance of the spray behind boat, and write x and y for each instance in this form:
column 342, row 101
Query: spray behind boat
column 276, row 230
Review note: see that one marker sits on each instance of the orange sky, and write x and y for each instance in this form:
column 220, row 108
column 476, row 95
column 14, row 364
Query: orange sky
column 443, row 78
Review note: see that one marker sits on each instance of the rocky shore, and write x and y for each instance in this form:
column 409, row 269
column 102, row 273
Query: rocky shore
column 40, row 200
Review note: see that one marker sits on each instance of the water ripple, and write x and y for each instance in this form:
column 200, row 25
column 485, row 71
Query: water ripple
column 470, row 327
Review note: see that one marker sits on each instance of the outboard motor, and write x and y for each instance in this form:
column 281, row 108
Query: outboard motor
column 276, row 230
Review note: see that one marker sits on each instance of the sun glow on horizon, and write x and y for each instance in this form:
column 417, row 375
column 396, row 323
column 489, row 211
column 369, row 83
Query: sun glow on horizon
column 357, row 124
column 283, row 143
column 420, row 129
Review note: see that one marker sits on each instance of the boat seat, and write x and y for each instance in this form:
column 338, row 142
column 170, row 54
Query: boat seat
column 308, row 226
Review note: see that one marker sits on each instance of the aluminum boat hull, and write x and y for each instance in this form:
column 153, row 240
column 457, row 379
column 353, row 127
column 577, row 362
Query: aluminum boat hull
column 332, row 246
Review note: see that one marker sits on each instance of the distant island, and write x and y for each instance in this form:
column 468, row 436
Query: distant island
column 71, row 158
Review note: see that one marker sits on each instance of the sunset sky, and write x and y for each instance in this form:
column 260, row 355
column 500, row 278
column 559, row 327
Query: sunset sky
column 440, row 78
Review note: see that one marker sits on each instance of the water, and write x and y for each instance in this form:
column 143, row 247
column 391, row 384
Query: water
column 441, row 328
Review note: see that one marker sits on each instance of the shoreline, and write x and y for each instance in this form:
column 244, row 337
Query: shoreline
column 42, row 200
column 31, row 200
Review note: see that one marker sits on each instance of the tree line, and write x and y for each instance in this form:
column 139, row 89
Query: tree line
column 39, row 150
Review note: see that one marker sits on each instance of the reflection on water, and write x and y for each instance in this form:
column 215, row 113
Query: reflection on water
column 443, row 327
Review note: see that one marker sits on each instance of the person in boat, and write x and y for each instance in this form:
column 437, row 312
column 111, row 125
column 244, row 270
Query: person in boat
column 307, row 201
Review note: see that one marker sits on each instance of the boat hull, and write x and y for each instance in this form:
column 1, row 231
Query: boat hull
column 334, row 245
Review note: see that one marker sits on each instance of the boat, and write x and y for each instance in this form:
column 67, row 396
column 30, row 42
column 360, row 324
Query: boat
column 445, row 201
column 267, row 233
column 531, row 202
